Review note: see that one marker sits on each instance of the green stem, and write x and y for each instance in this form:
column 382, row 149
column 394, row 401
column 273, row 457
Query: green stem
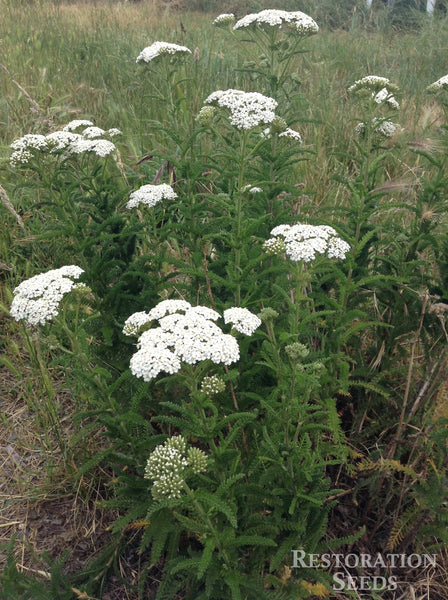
column 239, row 216
column 208, row 522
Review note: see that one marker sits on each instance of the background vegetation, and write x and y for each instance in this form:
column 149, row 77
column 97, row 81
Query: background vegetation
column 368, row 470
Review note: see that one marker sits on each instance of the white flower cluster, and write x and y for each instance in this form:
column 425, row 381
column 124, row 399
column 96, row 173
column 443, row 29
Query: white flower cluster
column 252, row 190
column 247, row 109
column 381, row 128
column 151, row 195
column 66, row 142
column 224, row 19
column 37, row 300
column 372, row 83
column 290, row 133
column 438, row 85
column 384, row 96
column 76, row 124
column 185, row 334
column 135, row 323
column 242, row 320
column 303, row 242
column 159, row 49
column 297, row 21
column 167, row 467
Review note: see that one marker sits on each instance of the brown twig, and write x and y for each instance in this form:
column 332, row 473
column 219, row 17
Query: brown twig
column 414, row 342
column 34, row 106
column 8, row 204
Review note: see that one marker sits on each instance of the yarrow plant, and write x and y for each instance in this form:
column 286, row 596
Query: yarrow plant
column 169, row 465
column 291, row 134
column 150, row 195
column 292, row 21
column 242, row 320
column 303, row 242
column 381, row 128
column 247, row 109
column 64, row 143
column 372, row 83
column 186, row 334
column 36, row 300
column 437, row 86
column 224, row 19
column 160, row 49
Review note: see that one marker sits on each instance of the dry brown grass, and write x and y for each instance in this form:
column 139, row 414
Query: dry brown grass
column 43, row 505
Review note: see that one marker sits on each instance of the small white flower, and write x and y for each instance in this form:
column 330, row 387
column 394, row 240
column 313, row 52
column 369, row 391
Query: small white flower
column 113, row 132
column 62, row 140
column 26, row 147
column 150, row 195
column 293, row 135
column 102, row 147
column 381, row 128
column 30, row 141
column 304, row 242
column 247, row 109
column 76, row 124
column 93, row 132
column 242, row 319
column 438, row 85
column 297, row 21
column 135, row 322
column 37, row 300
column 65, row 143
column 384, row 96
column 224, row 19
column 372, row 83
column 168, row 307
column 185, row 334
column 159, row 49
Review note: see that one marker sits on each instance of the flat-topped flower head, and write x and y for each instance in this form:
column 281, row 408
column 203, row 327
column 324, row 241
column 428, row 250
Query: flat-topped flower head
column 161, row 49
column 63, row 143
column 247, row 109
column 113, row 132
column 224, row 20
column 381, row 128
column 372, row 83
column 291, row 134
column 150, row 195
column 93, row 132
column 100, row 147
column 134, row 324
column 77, row 124
column 186, row 334
column 26, row 147
column 304, row 242
column 242, row 320
column 437, row 86
column 37, row 300
column 249, row 189
column 296, row 21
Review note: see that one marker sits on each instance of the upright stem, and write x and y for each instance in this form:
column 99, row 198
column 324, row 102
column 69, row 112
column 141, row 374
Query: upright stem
column 238, row 216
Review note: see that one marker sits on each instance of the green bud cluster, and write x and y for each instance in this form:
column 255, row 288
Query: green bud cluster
column 296, row 351
column 168, row 465
column 212, row 385
column 267, row 314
